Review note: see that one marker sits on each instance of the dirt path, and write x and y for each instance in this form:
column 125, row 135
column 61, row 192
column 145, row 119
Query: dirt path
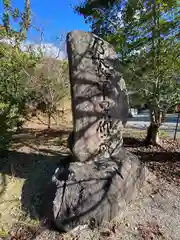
column 155, row 215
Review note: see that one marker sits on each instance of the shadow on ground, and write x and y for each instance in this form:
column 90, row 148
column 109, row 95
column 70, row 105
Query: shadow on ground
column 37, row 170
column 35, row 163
column 163, row 160
column 133, row 142
column 29, row 137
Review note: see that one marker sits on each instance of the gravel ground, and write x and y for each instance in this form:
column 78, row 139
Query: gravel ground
column 155, row 215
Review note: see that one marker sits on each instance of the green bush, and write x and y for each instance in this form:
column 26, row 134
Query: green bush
column 16, row 69
column 5, row 135
column 11, row 118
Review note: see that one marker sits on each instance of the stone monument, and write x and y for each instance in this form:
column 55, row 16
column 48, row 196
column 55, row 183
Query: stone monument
column 99, row 96
column 94, row 184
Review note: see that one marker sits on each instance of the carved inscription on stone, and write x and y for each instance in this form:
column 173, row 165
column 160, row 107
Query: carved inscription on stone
column 105, row 124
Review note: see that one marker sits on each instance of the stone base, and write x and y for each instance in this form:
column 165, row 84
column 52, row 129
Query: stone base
column 93, row 192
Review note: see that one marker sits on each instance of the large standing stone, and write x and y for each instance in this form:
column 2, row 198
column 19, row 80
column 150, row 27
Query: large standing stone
column 105, row 177
column 99, row 96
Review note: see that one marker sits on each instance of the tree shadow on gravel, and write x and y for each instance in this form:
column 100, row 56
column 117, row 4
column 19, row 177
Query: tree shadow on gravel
column 163, row 161
column 37, row 170
column 133, row 142
column 164, row 164
column 30, row 136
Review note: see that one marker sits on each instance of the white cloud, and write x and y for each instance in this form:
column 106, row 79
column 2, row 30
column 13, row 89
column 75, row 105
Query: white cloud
column 10, row 41
column 48, row 49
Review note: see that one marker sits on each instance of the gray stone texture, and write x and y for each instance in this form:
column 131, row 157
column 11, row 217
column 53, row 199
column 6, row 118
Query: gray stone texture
column 99, row 96
column 94, row 192
column 100, row 178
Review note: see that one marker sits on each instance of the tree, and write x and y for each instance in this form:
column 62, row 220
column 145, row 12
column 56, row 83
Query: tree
column 155, row 67
column 22, row 18
column 158, row 88
column 145, row 34
column 14, row 71
column 50, row 85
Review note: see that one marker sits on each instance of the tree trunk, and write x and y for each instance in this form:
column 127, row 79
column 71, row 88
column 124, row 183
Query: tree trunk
column 49, row 120
column 157, row 117
column 152, row 134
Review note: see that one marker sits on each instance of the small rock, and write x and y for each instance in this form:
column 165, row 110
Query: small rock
column 127, row 225
column 105, row 233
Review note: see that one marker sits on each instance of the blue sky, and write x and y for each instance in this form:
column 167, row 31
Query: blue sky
column 55, row 16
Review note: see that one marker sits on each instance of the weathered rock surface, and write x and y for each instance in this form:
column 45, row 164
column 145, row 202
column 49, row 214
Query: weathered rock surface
column 99, row 96
column 101, row 177
column 93, row 192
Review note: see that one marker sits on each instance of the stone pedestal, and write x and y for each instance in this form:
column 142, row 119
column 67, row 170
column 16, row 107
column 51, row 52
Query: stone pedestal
column 93, row 192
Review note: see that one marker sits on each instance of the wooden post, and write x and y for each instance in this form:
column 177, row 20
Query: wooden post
column 176, row 125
